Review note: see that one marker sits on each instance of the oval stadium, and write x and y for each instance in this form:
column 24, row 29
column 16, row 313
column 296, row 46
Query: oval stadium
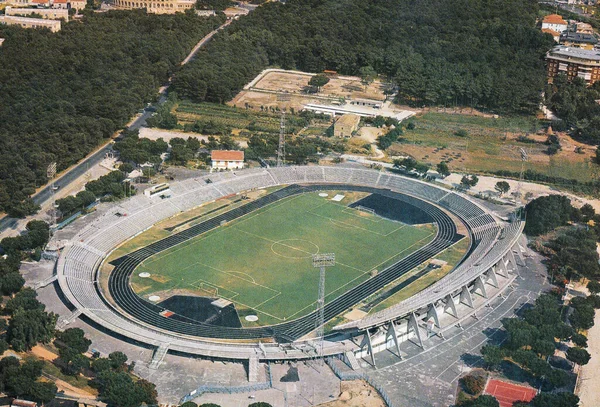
column 233, row 273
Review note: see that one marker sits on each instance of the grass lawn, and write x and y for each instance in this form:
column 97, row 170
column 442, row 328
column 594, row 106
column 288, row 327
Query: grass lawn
column 492, row 144
column 262, row 262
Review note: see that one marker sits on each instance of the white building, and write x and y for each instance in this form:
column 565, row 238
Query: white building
column 25, row 22
column 227, row 159
column 47, row 13
column 554, row 22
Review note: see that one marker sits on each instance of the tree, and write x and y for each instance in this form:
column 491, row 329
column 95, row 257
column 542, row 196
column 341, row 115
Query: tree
column 547, row 213
column 579, row 340
column 468, row 181
column 117, row 359
column 367, row 75
column 473, row 384
column 318, row 81
column 578, row 355
column 28, row 327
column 189, row 404
column 492, row 355
column 442, row 169
column 482, row 401
column 587, row 212
column 502, row 187
column 74, row 338
column 594, row 287
column 565, row 399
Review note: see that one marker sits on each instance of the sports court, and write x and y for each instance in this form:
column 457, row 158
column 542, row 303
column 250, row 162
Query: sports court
column 508, row 393
column 262, row 262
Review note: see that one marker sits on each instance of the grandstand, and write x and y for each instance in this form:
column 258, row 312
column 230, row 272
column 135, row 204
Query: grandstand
column 485, row 270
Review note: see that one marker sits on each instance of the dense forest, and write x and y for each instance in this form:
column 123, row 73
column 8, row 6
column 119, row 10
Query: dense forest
column 575, row 103
column 482, row 53
column 64, row 93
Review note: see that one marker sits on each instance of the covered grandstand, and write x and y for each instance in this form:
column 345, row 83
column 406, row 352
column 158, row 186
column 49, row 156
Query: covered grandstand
column 487, row 267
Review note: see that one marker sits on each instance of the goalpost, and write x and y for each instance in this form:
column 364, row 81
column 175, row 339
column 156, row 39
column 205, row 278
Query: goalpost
column 209, row 289
column 365, row 209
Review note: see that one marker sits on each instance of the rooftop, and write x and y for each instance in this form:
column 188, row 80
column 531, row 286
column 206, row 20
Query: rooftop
column 227, row 155
column 551, row 32
column 348, row 120
column 578, row 37
column 573, row 52
column 553, row 19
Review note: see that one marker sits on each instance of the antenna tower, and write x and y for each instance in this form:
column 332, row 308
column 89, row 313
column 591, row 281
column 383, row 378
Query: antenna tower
column 321, row 261
column 281, row 149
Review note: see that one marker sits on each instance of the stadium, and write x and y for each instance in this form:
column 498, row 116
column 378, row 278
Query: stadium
column 247, row 259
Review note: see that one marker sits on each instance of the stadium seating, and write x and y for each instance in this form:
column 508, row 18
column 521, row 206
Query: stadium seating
column 79, row 262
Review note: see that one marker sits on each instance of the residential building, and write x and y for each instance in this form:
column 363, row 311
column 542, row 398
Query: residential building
column 40, row 3
column 156, row 6
column 227, row 159
column 26, row 22
column 60, row 4
column 554, row 22
column 554, row 34
column 47, row 13
column 577, row 39
column 574, row 62
column 233, row 13
column 206, row 13
column 346, row 125
column 77, row 4
column 584, row 28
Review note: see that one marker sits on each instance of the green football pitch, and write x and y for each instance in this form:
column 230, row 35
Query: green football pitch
column 262, row 262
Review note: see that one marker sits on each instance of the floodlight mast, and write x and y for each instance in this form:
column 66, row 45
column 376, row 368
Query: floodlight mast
column 321, row 261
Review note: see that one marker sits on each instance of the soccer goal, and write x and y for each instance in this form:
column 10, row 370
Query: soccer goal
column 365, row 209
column 210, row 290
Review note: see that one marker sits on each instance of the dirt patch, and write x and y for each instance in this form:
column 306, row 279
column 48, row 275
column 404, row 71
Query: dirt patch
column 356, row 393
column 43, row 353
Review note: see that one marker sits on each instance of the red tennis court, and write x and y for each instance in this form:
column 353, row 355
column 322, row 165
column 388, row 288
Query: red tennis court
column 507, row 393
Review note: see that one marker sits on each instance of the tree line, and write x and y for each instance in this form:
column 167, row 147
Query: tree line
column 481, row 53
column 65, row 93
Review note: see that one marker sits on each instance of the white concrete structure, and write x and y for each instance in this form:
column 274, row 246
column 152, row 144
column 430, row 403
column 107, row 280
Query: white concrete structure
column 227, row 159
column 26, row 22
column 46, row 13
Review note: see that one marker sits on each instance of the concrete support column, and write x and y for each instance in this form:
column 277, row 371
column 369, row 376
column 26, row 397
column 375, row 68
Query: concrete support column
column 491, row 278
column 414, row 324
column 465, row 296
column 391, row 331
column 449, row 305
column 479, row 285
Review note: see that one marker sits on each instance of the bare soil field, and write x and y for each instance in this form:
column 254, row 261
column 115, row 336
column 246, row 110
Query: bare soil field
column 288, row 89
column 356, row 393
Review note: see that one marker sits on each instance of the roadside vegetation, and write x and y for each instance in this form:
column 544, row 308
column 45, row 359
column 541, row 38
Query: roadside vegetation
column 65, row 93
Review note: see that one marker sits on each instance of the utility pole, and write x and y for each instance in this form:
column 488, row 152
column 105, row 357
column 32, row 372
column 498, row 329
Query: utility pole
column 50, row 174
column 281, row 149
column 321, row 261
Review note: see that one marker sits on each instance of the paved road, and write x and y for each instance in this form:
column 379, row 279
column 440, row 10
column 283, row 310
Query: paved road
column 42, row 196
column 429, row 378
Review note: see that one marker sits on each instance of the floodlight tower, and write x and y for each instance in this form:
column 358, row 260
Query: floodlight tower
column 281, row 149
column 524, row 158
column 321, row 261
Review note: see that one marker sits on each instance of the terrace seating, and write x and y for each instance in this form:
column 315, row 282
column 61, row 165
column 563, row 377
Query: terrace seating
column 78, row 263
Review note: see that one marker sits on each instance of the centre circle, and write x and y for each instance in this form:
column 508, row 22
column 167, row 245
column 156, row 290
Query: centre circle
column 295, row 248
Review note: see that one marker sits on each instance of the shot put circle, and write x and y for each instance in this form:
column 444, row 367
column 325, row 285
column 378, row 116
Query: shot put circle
column 295, row 248
column 144, row 275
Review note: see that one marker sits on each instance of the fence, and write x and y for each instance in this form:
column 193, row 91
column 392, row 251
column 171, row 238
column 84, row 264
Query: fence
column 361, row 376
column 230, row 389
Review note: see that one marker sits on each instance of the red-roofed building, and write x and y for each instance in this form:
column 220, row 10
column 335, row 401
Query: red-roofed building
column 554, row 34
column 554, row 22
column 227, row 159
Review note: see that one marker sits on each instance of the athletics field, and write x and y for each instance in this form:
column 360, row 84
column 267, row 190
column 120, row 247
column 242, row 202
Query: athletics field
column 262, row 261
